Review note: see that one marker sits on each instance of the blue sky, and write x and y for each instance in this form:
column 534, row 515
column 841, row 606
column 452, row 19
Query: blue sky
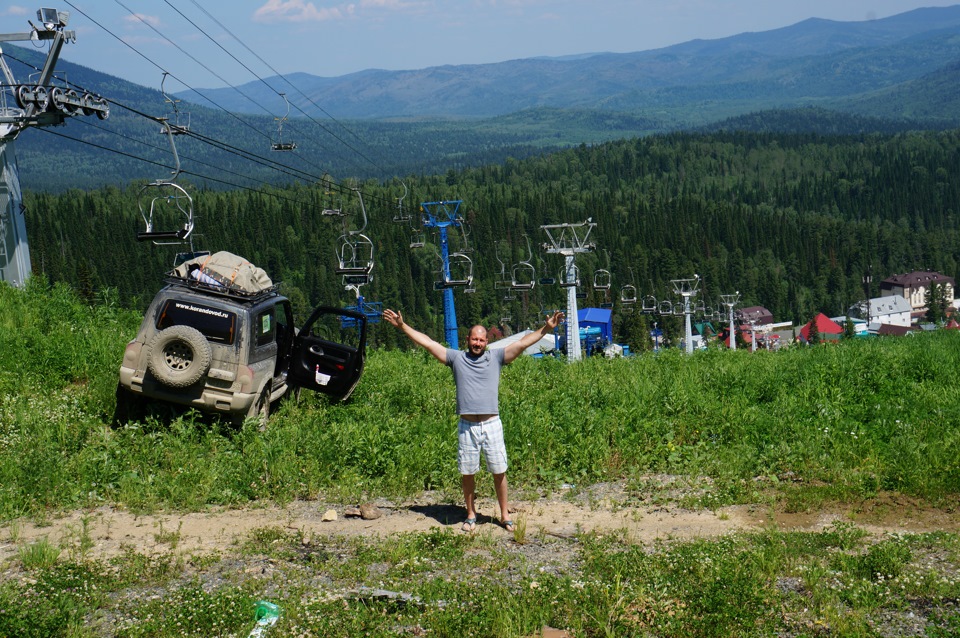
column 213, row 43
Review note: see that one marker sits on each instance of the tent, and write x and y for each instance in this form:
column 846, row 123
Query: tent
column 546, row 344
column 601, row 318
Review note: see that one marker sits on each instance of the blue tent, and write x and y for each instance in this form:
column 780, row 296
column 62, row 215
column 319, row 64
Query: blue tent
column 601, row 318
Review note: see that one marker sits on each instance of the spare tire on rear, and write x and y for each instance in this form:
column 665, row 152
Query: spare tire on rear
column 179, row 356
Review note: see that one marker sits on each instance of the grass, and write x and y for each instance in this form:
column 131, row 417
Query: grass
column 815, row 424
column 835, row 582
column 793, row 430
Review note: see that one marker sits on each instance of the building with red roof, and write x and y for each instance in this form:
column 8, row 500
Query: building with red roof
column 829, row 329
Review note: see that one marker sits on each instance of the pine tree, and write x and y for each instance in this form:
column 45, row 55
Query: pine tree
column 813, row 335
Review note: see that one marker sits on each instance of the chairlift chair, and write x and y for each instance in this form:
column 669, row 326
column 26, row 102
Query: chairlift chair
column 400, row 216
column 417, row 239
column 158, row 225
column 649, row 305
column 355, row 255
column 628, row 294
column 280, row 145
column 460, row 273
column 523, row 276
column 171, row 202
column 601, row 279
column 665, row 307
column 569, row 278
column 177, row 127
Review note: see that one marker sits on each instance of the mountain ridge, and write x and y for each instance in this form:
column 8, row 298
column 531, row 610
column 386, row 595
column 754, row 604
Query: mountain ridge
column 802, row 50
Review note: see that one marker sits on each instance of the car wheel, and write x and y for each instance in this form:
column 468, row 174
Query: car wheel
column 179, row 356
column 259, row 410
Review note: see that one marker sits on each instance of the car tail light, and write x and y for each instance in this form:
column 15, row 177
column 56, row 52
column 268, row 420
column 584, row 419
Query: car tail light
column 131, row 354
column 245, row 378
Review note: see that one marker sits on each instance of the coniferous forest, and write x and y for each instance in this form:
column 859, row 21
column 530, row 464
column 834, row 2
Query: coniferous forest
column 791, row 222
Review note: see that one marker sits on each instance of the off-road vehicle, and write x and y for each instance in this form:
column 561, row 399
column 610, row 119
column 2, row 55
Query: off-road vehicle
column 219, row 349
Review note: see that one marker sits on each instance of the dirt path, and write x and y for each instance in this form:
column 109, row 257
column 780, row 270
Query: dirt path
column 108, row 531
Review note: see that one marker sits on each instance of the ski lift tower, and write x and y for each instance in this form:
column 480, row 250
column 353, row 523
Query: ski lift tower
column 730, row 301
column 569, row 240
column 687, row 288
column 441, row 216
column 34, row 104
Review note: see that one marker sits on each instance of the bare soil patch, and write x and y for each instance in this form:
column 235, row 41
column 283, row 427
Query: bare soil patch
column 109, row 531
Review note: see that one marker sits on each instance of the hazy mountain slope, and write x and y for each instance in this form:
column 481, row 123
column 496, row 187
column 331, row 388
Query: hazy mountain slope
column 814, row 58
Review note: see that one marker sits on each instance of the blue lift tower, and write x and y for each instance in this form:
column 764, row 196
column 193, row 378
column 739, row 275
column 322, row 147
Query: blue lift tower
column 456, row 268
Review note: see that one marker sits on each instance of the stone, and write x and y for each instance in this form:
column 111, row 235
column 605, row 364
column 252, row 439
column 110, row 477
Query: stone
column 370, row 512
column 329, row 516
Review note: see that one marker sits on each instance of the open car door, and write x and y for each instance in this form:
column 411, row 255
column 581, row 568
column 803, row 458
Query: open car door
column 328, row 357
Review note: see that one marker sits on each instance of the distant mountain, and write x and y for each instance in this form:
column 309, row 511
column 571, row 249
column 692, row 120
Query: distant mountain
column 812, row 62
column 816, row 76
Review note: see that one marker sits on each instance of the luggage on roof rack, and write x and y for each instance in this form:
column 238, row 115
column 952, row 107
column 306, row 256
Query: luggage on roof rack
column 224, row 273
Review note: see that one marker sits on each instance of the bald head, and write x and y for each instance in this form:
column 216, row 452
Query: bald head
column 477, row 340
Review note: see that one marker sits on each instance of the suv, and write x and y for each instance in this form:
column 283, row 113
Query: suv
column 233, row 353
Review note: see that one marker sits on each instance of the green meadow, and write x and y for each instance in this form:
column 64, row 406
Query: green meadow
column 796, row 430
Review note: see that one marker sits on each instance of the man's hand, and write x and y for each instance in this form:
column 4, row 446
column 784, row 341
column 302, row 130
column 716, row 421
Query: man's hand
column 393, row 317
column 554, row 320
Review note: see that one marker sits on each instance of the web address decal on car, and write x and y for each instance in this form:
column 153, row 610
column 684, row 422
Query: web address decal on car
column 206, row 311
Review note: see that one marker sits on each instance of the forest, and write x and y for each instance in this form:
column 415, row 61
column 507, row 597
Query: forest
column 792, row 222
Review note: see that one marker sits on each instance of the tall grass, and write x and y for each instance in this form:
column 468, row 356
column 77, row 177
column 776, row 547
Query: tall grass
column 830, row 422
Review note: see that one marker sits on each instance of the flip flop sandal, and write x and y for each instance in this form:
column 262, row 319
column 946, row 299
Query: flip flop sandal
column 469, row 525
column 509, row 526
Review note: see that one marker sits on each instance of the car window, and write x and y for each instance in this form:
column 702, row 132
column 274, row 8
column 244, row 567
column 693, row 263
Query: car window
column 265, row 325
column 215, row 324
column 338, row 329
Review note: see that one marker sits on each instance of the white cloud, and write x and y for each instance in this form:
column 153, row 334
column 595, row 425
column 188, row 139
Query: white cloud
column 298, row 11
column 14, row 10
column 305, row 11
column 141, row 18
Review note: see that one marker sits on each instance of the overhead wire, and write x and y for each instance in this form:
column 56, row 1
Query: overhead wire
column 184, row 172
column 264, row 82
column 281, row 76
column 245, row 154
column 239, row 119
column 208, row 69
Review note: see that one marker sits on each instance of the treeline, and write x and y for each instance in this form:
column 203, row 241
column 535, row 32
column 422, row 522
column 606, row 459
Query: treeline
column 792, row 222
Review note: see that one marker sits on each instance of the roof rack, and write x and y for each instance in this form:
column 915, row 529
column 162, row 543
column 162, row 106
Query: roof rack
column 222, row 291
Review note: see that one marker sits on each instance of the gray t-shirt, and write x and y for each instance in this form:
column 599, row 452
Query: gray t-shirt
column 477, row 380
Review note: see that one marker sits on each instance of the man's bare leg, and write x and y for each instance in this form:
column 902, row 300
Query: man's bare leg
column 469, row 484
column 500, row 486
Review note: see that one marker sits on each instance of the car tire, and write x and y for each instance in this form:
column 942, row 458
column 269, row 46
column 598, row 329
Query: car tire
column 179, row 356
column 259, row 410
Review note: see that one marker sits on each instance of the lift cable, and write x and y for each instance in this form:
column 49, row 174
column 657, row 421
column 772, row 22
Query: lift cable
column 222, row 145
column 280, row 75
column 182, row 172
column 264, row 161
column 211, row 71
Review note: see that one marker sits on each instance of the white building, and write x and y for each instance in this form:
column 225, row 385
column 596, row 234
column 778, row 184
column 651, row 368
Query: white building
column 915, row 286
column 888, row 310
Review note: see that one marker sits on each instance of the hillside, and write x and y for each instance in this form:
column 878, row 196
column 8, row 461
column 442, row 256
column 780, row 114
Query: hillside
column 880, row 76
column 814, row 61
column 708, row 495
column 792, row 221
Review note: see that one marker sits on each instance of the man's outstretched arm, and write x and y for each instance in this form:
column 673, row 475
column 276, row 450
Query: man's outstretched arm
column 439, row 351
column 515, row 349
